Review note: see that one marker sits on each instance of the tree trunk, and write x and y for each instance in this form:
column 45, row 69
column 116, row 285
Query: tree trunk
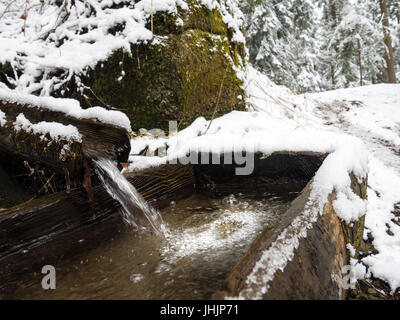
column 360, row 62
column 388, row 42
column 334, row 21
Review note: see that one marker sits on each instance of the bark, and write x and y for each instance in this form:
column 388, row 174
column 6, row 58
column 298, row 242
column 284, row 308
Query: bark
column 360, row 62
column 334, row 21
column 315, row 271
column 389, row 56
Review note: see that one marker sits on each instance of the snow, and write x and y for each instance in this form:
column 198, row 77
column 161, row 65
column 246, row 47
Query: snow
column 3, row 119
column 57, row 131
column 359, row 127
column 70, row 107
column 40, row 38
column 378, row 112
column 267, row 132
column 351, row 249
column 350, row 207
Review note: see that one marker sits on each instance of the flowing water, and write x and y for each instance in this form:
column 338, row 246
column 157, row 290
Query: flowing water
column 134, row 207
column 206, row 238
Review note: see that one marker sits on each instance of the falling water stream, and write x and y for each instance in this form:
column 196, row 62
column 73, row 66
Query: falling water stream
column 133, row 205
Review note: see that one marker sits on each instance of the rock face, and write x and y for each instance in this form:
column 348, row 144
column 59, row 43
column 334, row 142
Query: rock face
column 187, row 71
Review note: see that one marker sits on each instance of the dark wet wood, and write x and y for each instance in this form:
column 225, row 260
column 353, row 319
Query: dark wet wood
column 280, row 168
column 98, row 137
column 65, row 163
column 315, row 271
column 164, row 183
column 18, row 147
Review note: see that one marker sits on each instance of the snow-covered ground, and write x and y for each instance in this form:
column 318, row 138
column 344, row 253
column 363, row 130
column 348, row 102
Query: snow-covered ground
column 372, row 113
column 359, row 127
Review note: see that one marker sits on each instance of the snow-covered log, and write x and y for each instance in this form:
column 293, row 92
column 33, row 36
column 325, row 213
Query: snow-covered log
column 36, row 139
column 302, row 256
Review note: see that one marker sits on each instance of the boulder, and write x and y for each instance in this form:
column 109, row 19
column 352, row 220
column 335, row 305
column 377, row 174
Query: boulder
column 187, row 71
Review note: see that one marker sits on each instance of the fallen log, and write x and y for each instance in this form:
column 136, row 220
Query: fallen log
column 21, row 148
column 98, row 137
column 46, row 163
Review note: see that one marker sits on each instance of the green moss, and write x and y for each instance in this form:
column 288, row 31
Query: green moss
column 164, row 24
column 178, row 79
column 201, row 18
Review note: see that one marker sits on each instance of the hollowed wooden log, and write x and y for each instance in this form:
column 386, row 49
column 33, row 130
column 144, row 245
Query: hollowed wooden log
column 315, row 271
column 62, row 163
column 98, row 137
column 62, row 224
column 280, row 169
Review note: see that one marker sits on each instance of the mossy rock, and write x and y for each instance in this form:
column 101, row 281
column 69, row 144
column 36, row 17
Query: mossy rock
column 198, row 17
column 185, row 72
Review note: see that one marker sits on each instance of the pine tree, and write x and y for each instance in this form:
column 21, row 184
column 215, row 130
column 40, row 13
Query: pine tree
column 394, row 9
column 305, row 45
column 353, row 43
column 280, row 38
column 310, row 45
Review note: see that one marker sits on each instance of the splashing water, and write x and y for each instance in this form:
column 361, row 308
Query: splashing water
column 132, row 203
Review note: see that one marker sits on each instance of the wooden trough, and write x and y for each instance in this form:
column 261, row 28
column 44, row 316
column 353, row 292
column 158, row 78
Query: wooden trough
column 47, row 229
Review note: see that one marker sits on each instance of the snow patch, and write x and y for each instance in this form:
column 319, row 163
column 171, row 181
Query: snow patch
column 70, row 107
column 57, row 131
column 3, row 119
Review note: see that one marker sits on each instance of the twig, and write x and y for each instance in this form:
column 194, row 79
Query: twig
column 218, row 99
column 45, row 186
column 5, row 10
column 287, row 108
column 107, row 105
column 48, row 183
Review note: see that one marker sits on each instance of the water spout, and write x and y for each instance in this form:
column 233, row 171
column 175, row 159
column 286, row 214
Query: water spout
column 134, row 208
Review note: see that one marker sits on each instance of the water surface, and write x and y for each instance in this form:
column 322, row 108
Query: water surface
column 206, row 238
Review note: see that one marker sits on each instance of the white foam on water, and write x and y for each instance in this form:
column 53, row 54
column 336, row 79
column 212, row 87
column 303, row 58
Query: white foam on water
column 232, row 228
